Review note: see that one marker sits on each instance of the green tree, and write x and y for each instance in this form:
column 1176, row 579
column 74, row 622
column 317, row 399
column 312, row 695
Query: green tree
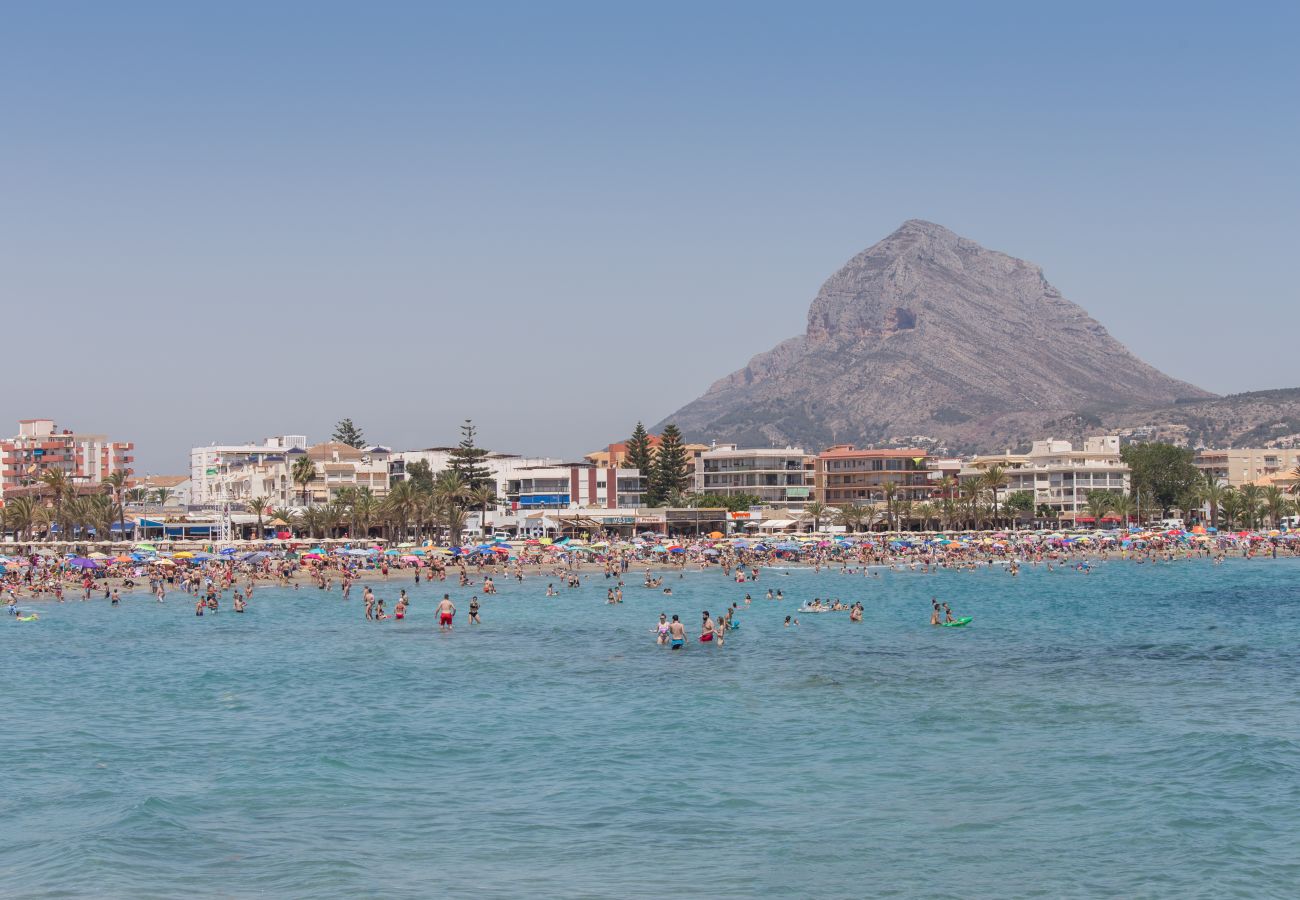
column 1122, row 506
column 1252, row 504
column 420, row 474
column 20, row 516
column 1210, row 492
column 1276, row 503
column 670, row 471
column 995, row 479
column 162, row 495
column 450, row 494
column 467, row 459
column 815, row 511
column 345, row 432
column 257, row 506
column 1020, row 503
column 483, row 498
column 59, row 485
column 1099, row 503
column 116, row 482
column 1163, row 470
column 640, row 455
column 849, row 515
column 303, row 474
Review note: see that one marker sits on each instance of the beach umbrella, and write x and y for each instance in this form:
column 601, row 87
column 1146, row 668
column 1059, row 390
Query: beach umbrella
column 147, row 548
column 80, row 562
column 97, row 555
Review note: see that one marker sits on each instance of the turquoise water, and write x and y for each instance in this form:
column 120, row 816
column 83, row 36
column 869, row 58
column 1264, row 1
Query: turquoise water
column 1129, row 733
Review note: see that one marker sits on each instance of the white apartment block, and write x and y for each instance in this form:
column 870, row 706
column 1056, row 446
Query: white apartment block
column 1060, row 476
column 778, row 477
column 210, row 466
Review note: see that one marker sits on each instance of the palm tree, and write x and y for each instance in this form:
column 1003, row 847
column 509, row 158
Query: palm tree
column 100, row 512
column 926, row 512
column 364, row 509
column 73, row 517
column 137, row 495
column 399, row 505
column 116, row 482
column 257, row 506
column 972, row 492
column 1276, row 503
column 1231, row 506
column 1252, row 502
column 20, row 515
column 161, row 495
column 483, row 496
column 815, row 511
column 945, row 487
column 903, row 508
column 889, row 493
column 1122, row 505
column 285, row 515
column 59, row 484
column 1099, row 503
column 849, row 516
column 995, row 478
column 1211, row 493
column 450, row 493
column 303, row 474
column 948, row 512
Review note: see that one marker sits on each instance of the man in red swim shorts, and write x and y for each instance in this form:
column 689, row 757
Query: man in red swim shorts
column 446, row 612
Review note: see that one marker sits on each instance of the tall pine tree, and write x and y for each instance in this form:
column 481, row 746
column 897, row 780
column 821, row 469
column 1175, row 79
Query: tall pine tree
column 347, row 433
column 467, row 459
column 671, row 467
column 640, row 456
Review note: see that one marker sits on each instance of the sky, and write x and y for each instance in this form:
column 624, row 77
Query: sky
column 225, row 221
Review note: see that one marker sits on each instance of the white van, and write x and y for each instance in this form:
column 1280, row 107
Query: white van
column 1171, row 524
column 1290, row 523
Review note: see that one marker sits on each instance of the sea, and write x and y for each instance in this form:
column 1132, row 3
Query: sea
column 1132, row 730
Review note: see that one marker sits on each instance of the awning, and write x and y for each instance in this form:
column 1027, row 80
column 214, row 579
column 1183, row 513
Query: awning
column 776, row 523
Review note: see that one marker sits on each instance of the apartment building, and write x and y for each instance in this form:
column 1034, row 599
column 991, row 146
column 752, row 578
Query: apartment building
column 1243, row 465
column 1060, row 476
column 778, row 477
column 87, row 459
column 844, row 474
column 211, row 468
column 573, row 485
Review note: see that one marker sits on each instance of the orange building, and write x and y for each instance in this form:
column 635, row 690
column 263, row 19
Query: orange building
column 615, row 455
column 845, row 474
column 87, row 459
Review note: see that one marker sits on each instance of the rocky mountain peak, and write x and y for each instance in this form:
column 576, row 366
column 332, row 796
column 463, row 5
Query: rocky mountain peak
column 924, row 333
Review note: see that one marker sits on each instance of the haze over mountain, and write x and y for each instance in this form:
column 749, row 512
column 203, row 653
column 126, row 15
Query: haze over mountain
column 927, row 333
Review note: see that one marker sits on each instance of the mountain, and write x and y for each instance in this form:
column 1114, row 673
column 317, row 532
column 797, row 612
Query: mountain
column 929, row 334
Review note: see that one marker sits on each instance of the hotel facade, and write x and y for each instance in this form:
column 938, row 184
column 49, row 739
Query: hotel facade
column 87, row 459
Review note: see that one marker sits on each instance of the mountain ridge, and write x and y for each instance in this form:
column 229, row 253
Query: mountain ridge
column 927, row 333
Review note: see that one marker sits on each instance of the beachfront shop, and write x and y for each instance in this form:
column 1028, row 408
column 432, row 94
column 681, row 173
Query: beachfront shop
column 696, row 521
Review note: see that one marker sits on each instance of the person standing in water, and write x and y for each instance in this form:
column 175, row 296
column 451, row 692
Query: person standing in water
column 677, row 633
column 473, row 611
column 446, row 612
column 706, row 629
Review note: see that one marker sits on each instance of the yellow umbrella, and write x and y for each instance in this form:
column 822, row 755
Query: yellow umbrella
column 163, row 562
column 184, row 554
column 96, row 555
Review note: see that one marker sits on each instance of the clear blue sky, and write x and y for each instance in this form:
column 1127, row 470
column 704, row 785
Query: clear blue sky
column 219, row 221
